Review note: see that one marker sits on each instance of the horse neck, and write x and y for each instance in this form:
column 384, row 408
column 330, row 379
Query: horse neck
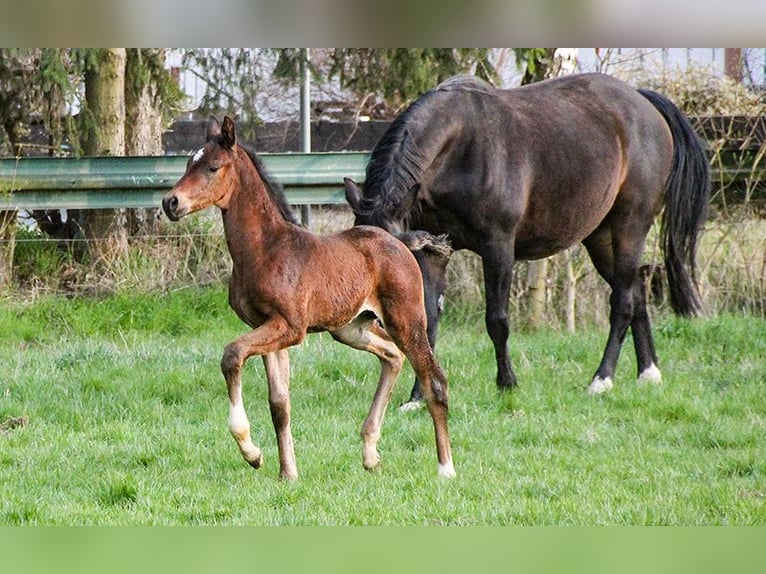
column 252, row 218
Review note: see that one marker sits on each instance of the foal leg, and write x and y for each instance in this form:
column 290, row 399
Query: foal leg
column 277, row 367
column 434, row 303
column 267, row 339
column 410, row 336
column 365, row 334
column 435, row 392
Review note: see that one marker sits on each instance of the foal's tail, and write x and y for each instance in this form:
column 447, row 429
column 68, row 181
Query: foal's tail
column 686, row 202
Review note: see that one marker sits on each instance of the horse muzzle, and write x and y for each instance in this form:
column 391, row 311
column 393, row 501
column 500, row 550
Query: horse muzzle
column 171, row 207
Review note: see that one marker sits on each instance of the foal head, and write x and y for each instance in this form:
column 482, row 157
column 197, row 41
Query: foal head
column 211, row 174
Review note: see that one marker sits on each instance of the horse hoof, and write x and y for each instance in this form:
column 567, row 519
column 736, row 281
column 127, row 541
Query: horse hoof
column 599, row 386
column 411, row 406
column 650, row 375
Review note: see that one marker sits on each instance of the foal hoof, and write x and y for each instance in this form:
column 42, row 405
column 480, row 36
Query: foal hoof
column 255, row 461
column 371, row 464
column 447, row 470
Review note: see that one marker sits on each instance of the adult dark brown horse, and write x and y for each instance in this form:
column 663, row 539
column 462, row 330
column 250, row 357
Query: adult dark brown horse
column 524, row 173
column 362, row 285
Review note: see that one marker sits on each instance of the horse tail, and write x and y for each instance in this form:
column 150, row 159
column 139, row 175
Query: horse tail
column 687, row 194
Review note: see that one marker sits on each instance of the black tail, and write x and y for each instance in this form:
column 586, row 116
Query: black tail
column 686, row 203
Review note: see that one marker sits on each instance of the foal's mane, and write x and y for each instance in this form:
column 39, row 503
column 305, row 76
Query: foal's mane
column 397, row 162
column 273, row 187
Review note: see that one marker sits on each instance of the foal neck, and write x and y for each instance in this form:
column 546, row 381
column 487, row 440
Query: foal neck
column 253, row 195
column 255, row 213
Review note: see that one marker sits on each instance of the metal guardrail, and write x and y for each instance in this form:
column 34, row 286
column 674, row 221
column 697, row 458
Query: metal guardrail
column 139, row 182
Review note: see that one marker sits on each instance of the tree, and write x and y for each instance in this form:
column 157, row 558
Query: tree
column 129, row 96
column 395, row 75
column 30, row 87
column 103, row 133
column 152, row 99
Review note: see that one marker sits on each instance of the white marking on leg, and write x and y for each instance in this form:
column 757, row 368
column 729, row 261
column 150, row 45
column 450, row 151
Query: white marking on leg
column 239, row 427
column 599, row 385
column 447, row 470
column 650, row 375
column 412, row 406
column 238, row 422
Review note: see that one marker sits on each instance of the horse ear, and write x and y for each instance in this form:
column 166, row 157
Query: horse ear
column 352, row 193
column 228, row 133
column 213, row 128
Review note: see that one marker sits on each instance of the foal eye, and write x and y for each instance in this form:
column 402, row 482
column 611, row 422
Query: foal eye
column 213, row 168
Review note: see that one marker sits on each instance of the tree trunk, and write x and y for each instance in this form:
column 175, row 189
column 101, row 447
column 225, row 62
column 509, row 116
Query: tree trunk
column 7, row 246
column 537, row 273
column 104, row 134
column 8, row 218
column 143, row 124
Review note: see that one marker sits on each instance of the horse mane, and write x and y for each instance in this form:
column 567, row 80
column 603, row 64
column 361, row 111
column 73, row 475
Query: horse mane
column 273, row 187
column 397, row 163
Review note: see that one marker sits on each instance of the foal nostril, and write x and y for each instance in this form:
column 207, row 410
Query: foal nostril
column 169, row 206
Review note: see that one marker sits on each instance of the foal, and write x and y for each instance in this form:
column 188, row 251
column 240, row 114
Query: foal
column 362, row 285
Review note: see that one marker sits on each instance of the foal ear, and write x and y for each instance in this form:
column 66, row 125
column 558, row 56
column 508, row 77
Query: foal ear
column 228, row 133
column 352, row 193
column 213, row 128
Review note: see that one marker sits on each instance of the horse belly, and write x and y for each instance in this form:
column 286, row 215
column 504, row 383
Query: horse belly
column 552, row 230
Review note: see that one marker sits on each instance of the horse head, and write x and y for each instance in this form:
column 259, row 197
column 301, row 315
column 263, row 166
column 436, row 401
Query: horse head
column 210, row 173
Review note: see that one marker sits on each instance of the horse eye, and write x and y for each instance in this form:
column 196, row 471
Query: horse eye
column 213, row 168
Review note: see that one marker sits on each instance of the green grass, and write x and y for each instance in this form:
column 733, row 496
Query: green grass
column 126, row 424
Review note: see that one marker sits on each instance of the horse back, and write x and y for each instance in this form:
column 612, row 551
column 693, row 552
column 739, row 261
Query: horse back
column 545, row 162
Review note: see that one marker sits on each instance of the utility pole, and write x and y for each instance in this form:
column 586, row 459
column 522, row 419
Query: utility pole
column 305, row 121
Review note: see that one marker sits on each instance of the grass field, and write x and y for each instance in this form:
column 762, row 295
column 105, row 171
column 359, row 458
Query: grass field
column 113, row 411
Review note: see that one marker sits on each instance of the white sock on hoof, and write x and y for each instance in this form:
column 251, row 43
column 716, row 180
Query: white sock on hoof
column 650, row 375
column 447, row 470
column 412, row 406
column 599, row 385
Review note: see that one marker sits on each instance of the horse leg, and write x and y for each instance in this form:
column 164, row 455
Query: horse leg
column 277, row 367
column 618, row 265
column 643, row 342
column 267, row 339
column 497, row 262
column 364, row 333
